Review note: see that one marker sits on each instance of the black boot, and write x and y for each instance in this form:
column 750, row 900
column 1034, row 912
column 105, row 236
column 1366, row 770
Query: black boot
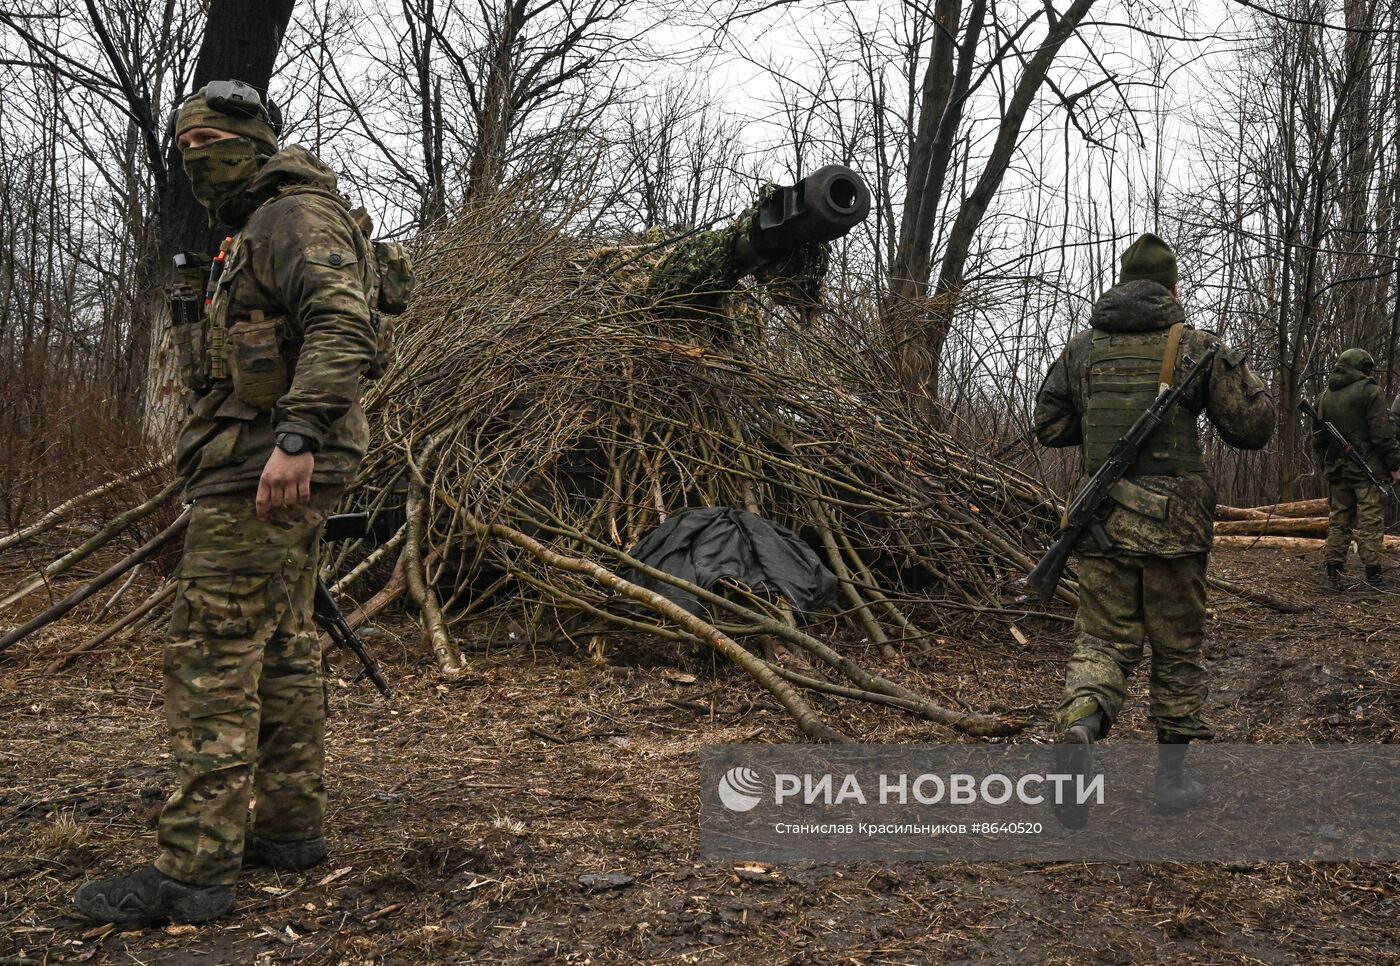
column 284, row 856
column 1334, row 578
column 1374, row 580
column 1075, row 756
column 1175, row 790
column 1086, row 730
column 149, row 896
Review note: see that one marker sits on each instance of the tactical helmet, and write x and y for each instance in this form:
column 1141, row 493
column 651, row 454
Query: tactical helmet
column 1358, row 359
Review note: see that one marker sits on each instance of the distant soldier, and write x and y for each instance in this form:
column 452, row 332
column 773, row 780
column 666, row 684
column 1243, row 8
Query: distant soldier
column 1356, row 406
column 1152, row 584
column 273, row 435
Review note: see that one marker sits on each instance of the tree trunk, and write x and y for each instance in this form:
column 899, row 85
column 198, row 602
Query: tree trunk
column 974, row 207
column 496, row 118
column 906, row 315
column 1288, row 395
column 919, row 323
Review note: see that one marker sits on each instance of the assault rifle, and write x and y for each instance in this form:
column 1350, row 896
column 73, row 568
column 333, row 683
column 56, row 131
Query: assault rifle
column 1341, row 441
column 1089, row 509
column 327, row 613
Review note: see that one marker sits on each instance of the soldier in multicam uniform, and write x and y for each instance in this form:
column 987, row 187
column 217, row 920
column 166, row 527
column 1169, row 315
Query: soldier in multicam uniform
column 1152, row 584
column 1356, row 406
column 274, row 432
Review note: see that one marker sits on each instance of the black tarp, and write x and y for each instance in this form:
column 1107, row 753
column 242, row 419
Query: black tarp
column 705, row 546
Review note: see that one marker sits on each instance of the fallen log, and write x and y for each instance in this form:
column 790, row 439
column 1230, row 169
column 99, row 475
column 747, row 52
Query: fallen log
column 1298, row 508
column 1281, row 543
column 1239, row 513
column 1275, row 527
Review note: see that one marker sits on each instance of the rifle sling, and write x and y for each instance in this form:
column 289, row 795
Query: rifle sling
column 1169, row 356
column 1125, row 492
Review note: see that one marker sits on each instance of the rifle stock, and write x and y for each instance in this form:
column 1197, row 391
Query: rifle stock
column 1046, row 575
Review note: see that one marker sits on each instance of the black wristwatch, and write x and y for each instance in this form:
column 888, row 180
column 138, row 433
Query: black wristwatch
column 294, row 444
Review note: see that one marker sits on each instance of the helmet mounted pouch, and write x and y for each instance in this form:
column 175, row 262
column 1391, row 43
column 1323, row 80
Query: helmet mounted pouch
column 234, row 97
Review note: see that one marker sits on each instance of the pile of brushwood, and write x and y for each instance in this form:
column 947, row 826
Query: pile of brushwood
column 552, row 402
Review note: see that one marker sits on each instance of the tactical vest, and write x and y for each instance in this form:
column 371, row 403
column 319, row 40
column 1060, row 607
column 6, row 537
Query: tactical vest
column 255, row 356
column 1125, row 375
column 213, row 348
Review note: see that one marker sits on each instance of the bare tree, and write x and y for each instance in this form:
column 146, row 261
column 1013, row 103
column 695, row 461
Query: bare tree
column 1301, row 228
column 950, row 78
column 124, row 67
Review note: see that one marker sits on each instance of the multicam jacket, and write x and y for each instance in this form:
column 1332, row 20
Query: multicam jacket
column 1161, row 514
column 288, row 335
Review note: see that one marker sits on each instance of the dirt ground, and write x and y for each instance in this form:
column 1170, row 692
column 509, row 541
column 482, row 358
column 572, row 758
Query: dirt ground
column 466, row 814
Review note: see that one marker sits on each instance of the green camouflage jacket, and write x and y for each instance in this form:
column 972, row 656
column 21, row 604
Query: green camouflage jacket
column 1356, row 406
column 293, row 298
column 1174, row 516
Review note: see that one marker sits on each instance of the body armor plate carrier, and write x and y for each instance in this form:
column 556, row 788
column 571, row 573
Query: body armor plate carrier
column 1126, row 372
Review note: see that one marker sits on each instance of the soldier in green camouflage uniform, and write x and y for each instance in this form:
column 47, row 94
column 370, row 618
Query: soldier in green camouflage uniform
column 1151, row 585
column 274, row 432
column 1356, row 406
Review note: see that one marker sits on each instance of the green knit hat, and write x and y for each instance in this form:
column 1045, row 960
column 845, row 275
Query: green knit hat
column 1148, row 257
column 251, row 121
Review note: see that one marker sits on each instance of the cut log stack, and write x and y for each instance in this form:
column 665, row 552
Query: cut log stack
column 1300, row 525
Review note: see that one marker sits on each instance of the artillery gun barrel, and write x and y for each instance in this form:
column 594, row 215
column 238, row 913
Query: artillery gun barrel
column 821, row 207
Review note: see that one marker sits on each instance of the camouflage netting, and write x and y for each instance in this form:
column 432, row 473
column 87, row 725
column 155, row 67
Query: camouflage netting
column 552, row 402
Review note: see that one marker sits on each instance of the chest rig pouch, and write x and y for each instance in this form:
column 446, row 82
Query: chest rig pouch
column 247, row 349
column 1126, row 373
column 187, row 291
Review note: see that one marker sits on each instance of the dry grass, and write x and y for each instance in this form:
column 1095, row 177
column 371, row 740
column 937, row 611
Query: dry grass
column 62, row 835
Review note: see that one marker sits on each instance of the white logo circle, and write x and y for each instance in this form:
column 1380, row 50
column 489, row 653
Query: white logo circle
column 740, row 789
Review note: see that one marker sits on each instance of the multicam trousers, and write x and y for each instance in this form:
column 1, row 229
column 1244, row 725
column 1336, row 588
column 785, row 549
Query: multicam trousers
column 1124, row 600
column 1358, row 506
column 244, row 694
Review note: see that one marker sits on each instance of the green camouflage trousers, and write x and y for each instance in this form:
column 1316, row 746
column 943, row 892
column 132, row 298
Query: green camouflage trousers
column 1358, row 506
column 1124, row 600
column 244, row 694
